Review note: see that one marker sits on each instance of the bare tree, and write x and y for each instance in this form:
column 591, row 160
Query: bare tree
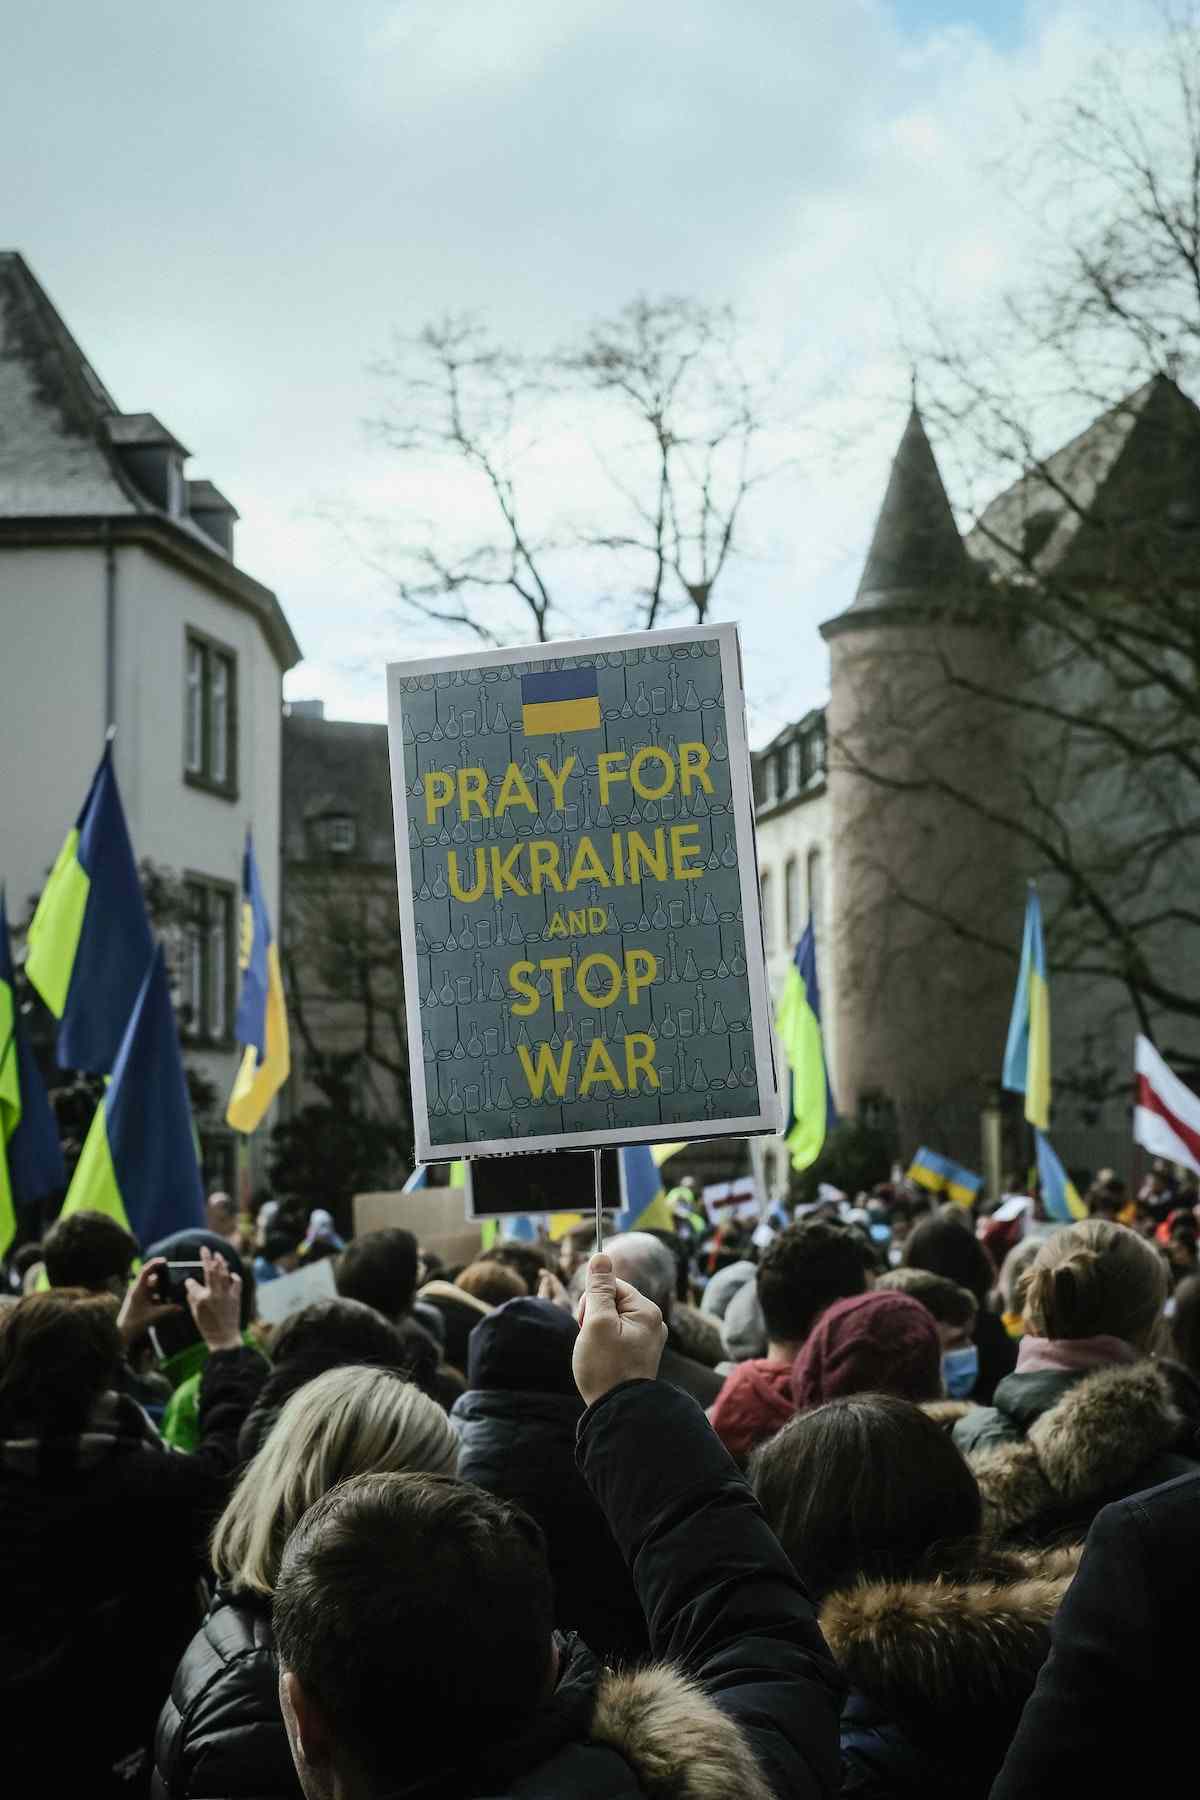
column 676, row 430
column 1090, row 564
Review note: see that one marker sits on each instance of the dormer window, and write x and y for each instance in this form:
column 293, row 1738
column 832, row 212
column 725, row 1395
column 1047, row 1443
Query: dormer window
column 340, row 834
column 771, row 781
column 817, row 755
column 794, row 766
column 152, row 458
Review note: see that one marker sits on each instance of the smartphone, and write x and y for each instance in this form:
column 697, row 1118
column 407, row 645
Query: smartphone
column 170, row 1284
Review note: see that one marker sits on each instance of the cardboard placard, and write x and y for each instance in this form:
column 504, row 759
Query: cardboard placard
column 578, row 889
column 279, row 1299
column 435, row 1216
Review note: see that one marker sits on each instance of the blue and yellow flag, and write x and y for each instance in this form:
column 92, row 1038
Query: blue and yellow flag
column 642, row 1190
column 1060, row 1196
column 944, row 1176
column 138, row 1163
column 261, row 1023
column 31, row 1164
column 811, row 1112
column 1027, row 1053
column 89, row 940
column 560, row 700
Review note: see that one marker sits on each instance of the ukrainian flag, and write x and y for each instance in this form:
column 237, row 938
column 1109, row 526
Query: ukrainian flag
column 645, row 1207
column 943, row 1175
column 1027, row 1053
column 139, row 1158
column 1060, row 1196
column 89, row 940
column 31, row 1164
column 261, row 1023
column 811, row 1112
column 560, row 700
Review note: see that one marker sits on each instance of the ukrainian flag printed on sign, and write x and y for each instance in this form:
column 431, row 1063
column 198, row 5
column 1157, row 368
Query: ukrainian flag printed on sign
column 560, row 700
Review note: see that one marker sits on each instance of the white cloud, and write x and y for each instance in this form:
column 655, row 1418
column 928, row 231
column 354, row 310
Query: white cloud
column 233, row 207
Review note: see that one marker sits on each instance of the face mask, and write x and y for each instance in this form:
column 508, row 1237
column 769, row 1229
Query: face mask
column 960, row 1371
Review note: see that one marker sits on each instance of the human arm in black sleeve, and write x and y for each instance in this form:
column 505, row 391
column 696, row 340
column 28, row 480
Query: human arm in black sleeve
column 721, row 1598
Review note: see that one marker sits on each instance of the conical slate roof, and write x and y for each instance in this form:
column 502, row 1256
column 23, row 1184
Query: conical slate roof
column 916, row 546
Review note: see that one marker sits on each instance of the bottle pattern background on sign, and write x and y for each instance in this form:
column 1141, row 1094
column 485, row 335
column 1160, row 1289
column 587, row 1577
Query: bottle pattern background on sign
column 696, row 1010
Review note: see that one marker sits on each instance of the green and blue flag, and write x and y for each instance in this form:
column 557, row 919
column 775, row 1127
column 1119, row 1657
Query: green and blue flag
column 31, row 1164
column 89, row 941
column 1027, row 1052
column 138, row 1162
column 811, row 1112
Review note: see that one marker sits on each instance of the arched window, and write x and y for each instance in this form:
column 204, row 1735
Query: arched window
column 791, row 899
column 764, row 900
column 816, row 893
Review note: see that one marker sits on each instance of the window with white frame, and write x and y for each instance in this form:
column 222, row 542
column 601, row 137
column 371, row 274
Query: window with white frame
column 340, row 833
column 765, row 901
column 210, row 715
column 771, row 781
column 791, row 899
column 208, row 960
column 794, row 764
column 816, row 759
column 816, row 895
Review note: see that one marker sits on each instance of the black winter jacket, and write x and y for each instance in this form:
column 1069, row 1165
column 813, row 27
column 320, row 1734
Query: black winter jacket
column 1121, row 1657
column 748, row 1708
column 220, row 1733
column 99, row 1569
column 521, row 1447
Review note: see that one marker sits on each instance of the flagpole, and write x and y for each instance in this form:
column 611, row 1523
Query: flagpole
column 596, row 1175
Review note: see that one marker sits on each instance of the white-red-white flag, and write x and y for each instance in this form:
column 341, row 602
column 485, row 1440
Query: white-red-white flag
column 1166, row 1118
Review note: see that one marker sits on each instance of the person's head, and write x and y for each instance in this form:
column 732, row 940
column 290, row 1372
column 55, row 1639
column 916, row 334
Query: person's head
column 524, row 1346
column 220, row 1214
column 58, row 1353
column 1014, row 1275
column 490, row 1281
column 89, row 1250
column 870, row 1344
column 529, row 1260
column 1096, row 1279
column 807, row 1268
column 953, row 1308
column 644, row 1261
column 281, row 1248
column 574, row 1249
column 348, row 1421
column 380, row 1269
column 949, row 1247
column 1183, row 1335
column 866, row 1487
column 467, row 1572
column 337, row 1332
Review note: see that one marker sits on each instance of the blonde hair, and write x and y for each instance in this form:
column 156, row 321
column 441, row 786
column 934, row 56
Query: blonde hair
column 349, row 1421
column 1096, row 1279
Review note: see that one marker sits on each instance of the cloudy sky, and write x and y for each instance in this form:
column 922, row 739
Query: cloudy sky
column 236, row 205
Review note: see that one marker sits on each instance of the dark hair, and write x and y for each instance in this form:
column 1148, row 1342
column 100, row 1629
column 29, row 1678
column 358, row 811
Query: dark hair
column 806, row 1269
column 947, row 1248
column 87, row 1250
column 527, row 1259
column 58, row 1353
column 380, row 1269
column 865, row 1487
column 279, row 1241
column 468, row 1572
column 950, row 1303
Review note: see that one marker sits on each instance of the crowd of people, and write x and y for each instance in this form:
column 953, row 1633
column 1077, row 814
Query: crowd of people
column 881, row 1499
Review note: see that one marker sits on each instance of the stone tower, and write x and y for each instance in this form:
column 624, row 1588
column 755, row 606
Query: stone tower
column 922, row 1010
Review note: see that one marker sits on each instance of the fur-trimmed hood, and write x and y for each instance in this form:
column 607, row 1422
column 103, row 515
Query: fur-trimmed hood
column 1093, row 1445
column 949, row 1646
column 678, row 1743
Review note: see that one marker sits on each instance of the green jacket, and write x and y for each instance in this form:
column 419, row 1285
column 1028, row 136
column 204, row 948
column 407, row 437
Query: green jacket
column 181, row 1421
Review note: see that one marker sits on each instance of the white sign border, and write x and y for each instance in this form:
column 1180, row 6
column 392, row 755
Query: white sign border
column 768, row 1118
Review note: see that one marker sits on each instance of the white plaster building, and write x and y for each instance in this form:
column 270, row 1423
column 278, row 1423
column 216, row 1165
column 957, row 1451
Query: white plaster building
column 120, row 602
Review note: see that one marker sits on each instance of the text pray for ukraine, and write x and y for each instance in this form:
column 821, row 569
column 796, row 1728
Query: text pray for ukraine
column 669, row 854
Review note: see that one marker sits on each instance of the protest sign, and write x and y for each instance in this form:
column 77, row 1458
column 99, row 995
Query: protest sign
column 578, row 892
column 528, row 1186
column 727, row 1200
column 279, row 1299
